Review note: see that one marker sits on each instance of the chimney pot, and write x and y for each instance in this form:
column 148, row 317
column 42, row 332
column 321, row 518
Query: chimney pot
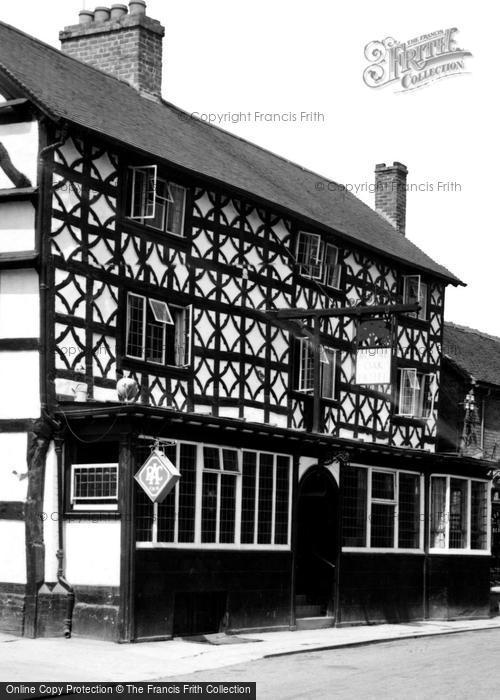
column 86, row 16
column 137, row 7
column 390, row 193
column 118, row 11
column 101, row 14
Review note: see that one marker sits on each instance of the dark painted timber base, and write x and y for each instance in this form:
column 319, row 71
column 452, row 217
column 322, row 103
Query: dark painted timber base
column 12, row 608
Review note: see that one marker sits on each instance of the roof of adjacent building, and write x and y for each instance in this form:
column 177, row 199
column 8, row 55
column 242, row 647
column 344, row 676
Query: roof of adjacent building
column 72, row 91
column 477, row 354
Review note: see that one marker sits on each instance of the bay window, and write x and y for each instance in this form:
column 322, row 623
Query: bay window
column 459, row 515
column 382, row 509
column 226, row 498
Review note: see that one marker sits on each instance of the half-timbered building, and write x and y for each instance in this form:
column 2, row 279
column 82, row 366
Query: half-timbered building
column 147, row 265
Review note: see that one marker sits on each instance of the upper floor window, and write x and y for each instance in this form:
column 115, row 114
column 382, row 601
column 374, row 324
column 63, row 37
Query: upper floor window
column 317, row 260
column 459, row 514
column 416, row 393
column 415, row 292
column 157, row 332
column 155, row 201
column 328, row 357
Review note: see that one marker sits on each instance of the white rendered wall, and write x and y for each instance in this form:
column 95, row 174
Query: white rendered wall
column 17, row 227
column 19, row 379
column 92, row 552
column 13, row 486
column 12, row 551
column 21, row 142
column 19, row 304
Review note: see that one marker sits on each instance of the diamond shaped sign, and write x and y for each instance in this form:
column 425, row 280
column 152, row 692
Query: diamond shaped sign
column 157, row 476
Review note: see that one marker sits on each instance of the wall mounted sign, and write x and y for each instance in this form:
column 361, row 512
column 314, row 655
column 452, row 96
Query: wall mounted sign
column 157, row 476
column 373, row 366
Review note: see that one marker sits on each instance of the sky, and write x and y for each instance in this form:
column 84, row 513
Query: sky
column 285, row 57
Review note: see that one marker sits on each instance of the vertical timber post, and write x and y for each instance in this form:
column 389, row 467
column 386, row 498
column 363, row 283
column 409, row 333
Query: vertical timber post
column 317, row 376
column 127, row 540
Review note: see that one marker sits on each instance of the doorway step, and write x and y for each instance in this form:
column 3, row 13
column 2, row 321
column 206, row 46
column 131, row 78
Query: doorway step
column 311, row 613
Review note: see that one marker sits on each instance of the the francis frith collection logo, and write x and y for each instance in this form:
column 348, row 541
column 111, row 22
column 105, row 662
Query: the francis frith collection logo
column 414, row 63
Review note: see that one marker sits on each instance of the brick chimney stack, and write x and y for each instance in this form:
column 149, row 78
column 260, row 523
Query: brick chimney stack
column 120, row 40
column 390, row 193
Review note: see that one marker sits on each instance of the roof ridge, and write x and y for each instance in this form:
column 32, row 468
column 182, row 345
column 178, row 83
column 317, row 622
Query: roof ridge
column 71, row 58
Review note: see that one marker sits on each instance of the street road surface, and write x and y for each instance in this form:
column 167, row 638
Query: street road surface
column 459, row 666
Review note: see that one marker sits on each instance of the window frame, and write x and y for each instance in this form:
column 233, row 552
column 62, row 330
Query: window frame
column 306, row 343
column 419, row 393
column 147, row 218
column 367, row 548
column 198, row 543
column 78, row 504
column 187, row 312
column 422, row 296
column 336, row 265
column 447, row 550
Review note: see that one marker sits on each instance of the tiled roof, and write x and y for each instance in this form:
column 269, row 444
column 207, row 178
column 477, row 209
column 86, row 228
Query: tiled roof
column 475, row 353
column 70, row 90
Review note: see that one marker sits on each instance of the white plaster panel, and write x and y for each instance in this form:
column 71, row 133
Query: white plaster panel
column 19, row 304
column 20, row 382
column 12, row 551
column 13, row 486
column 17, row 227
column 92, row 552
column 21, row 142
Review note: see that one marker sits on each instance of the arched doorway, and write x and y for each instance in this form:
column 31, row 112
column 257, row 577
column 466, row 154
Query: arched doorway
column 317, row 544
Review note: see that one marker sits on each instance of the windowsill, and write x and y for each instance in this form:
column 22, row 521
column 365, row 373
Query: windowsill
column 468, row 552
column 380, row 550
column 410, row 420
column 98, row 515
column 152, row 367
column 131, row 226
column 212, row 546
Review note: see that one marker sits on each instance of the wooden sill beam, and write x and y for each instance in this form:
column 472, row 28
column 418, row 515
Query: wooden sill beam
column 13, row 194
column 17, row 260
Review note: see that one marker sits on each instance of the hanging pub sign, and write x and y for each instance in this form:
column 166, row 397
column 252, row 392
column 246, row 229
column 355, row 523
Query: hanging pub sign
column 373, row 366
column 157, row 476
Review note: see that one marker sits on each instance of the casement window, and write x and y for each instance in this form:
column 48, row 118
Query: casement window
column 415, row 292
column 417, row 393
column 155, row 201
column 459, row 514
column 317, row 260
column 157, row 332
column 382, row 509
column 328, row 358
column 226, row 498
column 94, row 487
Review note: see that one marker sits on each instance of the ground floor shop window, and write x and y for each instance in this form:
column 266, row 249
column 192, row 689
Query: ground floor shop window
column 382, row 509
column 226, row 497
column 459, row 514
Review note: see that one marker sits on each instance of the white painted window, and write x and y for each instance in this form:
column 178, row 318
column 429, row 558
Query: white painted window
column 94, row 486
column 459, row 515
column 309, row 255
column 157, row 332
column 306, row 368
column 155, row 201
column 332, row 270
column 415, row 292
column 382, row 509
column 417, row 393
column 226, row 498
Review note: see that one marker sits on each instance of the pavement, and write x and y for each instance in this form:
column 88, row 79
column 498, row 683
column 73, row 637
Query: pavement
column 79, row 659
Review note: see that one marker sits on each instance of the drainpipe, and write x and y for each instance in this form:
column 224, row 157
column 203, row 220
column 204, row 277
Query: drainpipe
column 44, row 394
column 61, row 579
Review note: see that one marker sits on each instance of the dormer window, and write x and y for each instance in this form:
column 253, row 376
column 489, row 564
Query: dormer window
column 318, row 260
column 415, row 292
column 154, row 201
column 158, row 332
